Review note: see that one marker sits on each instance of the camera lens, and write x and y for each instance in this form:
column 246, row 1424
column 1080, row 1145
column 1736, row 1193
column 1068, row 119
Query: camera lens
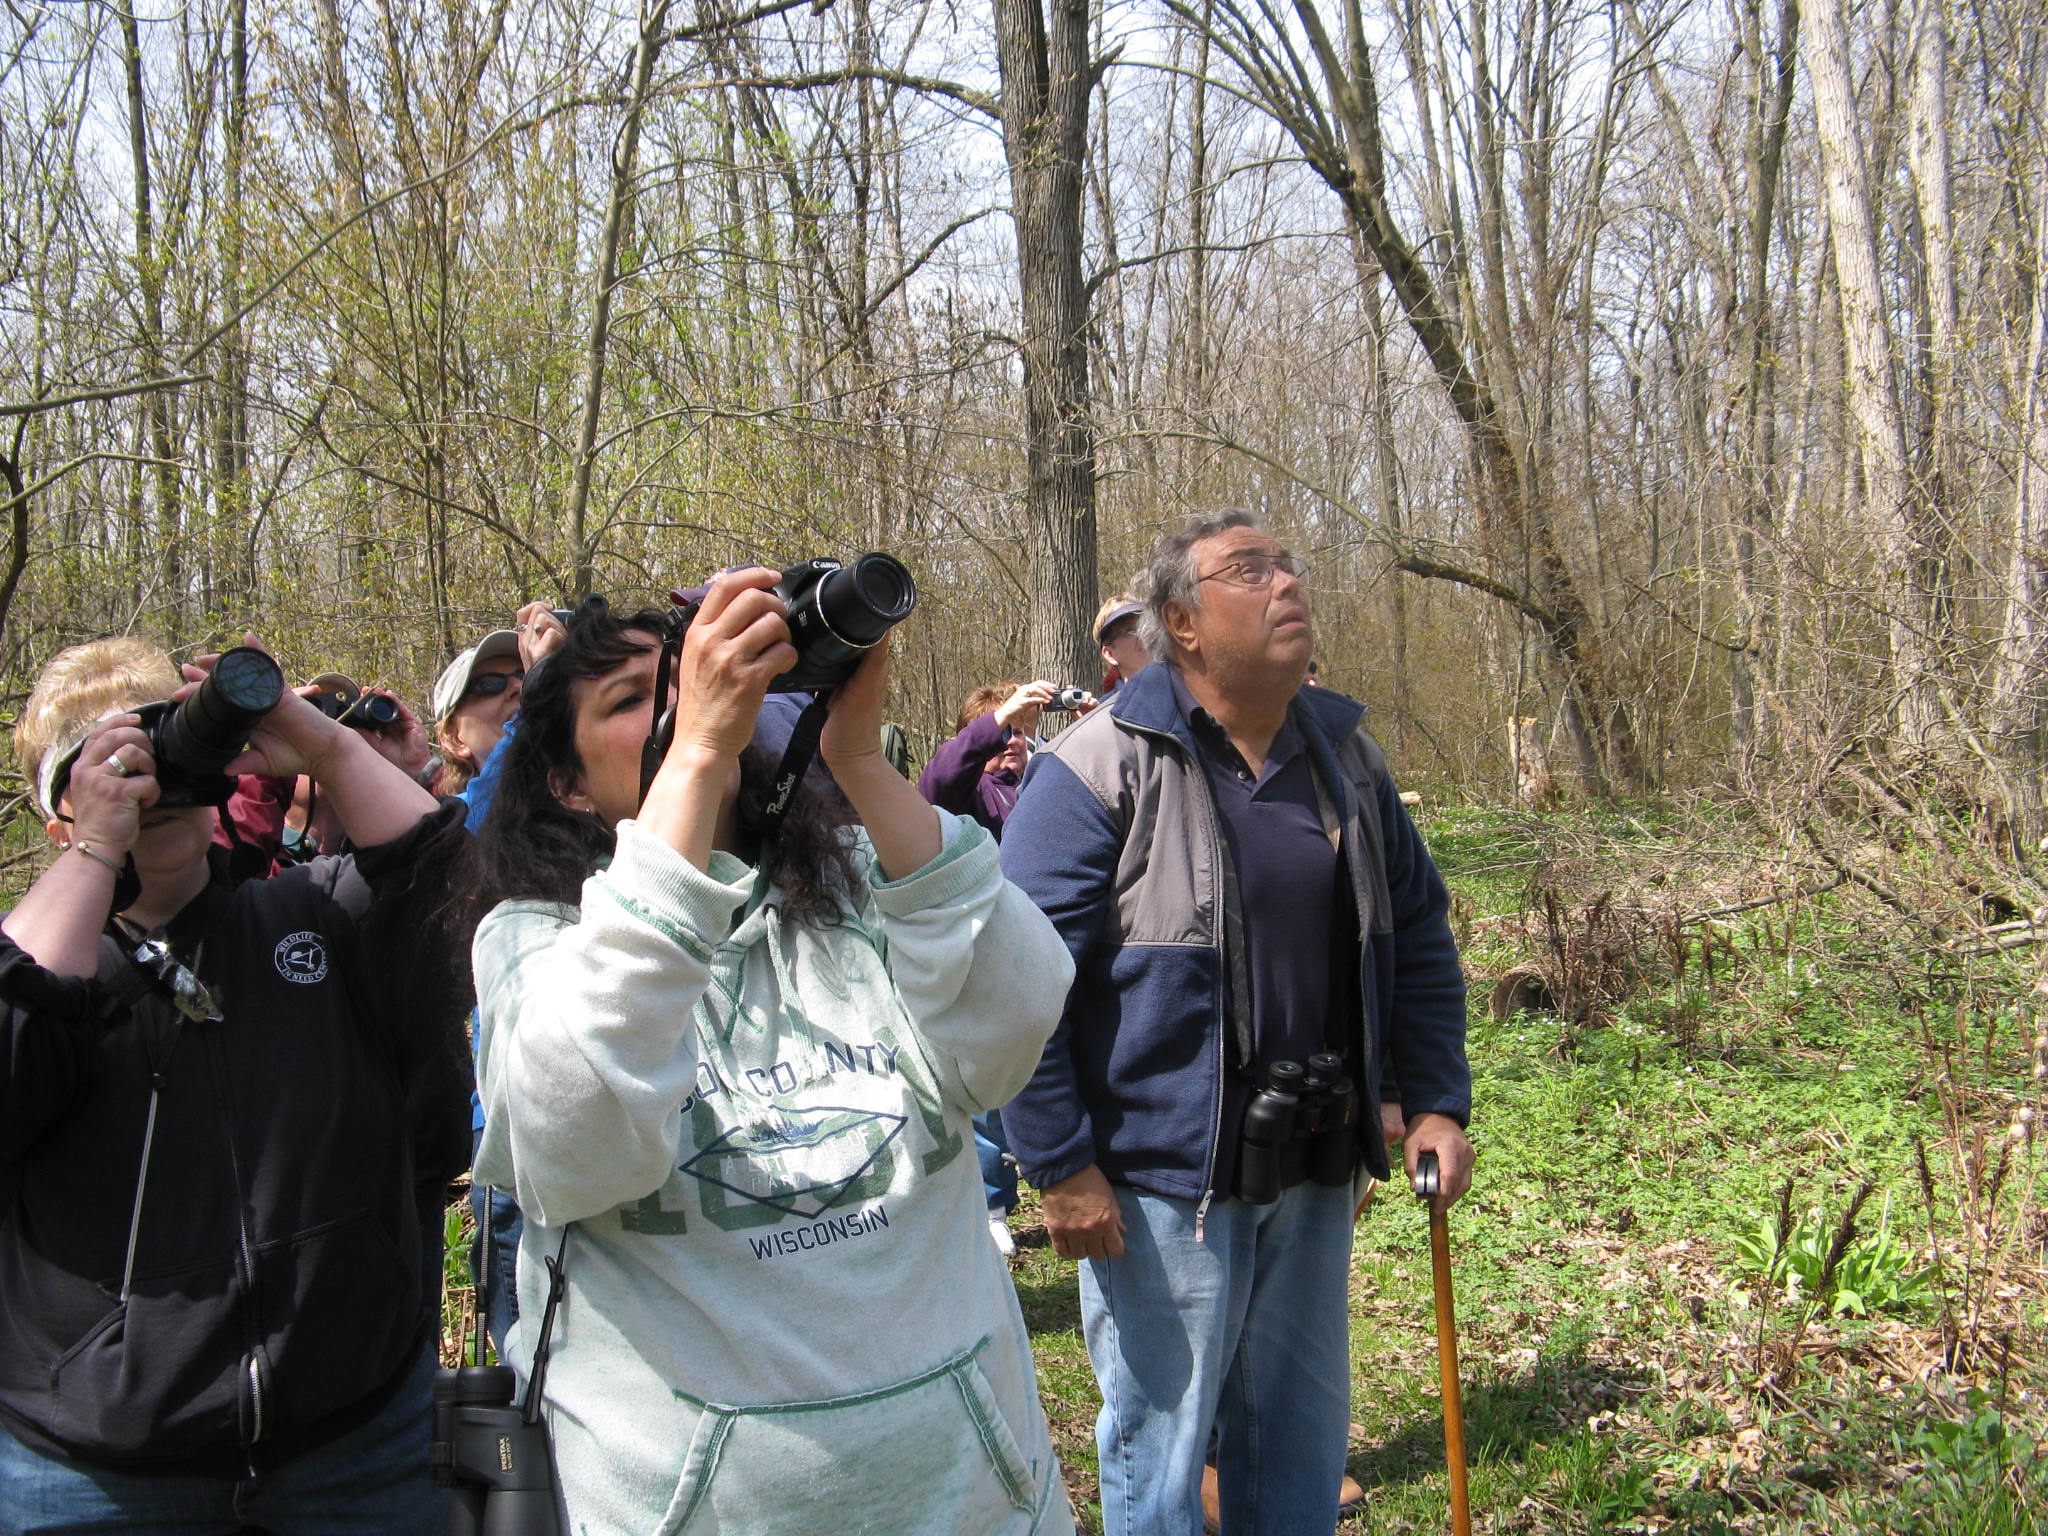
column 861, row 602
column 206, row 732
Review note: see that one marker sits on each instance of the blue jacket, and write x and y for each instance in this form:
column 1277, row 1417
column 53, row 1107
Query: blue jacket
column 1116, row 837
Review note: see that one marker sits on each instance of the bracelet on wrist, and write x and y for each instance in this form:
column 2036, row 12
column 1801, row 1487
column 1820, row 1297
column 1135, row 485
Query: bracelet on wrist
column 81, row 846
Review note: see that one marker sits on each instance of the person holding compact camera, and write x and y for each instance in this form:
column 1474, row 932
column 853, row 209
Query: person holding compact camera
column 214, row 1314
column 1263, row 946
column 976, row 773
column 732, row 1033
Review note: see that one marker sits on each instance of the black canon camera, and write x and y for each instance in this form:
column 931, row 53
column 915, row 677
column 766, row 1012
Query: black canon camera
column 837, row 614
column 1303, row 1124
column 365, row 712
column 196, row 738
column 1067, row 700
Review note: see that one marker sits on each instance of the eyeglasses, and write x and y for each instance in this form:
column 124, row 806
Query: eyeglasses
column 1257, row 570
column 188, row 993
column 488, row 685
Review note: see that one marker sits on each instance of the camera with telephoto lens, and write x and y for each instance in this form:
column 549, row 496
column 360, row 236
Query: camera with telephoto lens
column 1302, row 1124
column 1067, row 700
column 491, row 1456
column 194, row 739
column 837, row 614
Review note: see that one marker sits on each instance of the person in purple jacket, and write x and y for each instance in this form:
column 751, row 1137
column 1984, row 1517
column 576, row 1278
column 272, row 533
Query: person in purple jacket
column 976, row 773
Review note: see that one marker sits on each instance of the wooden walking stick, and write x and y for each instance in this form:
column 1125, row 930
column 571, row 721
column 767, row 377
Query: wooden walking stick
column 1426, row 1185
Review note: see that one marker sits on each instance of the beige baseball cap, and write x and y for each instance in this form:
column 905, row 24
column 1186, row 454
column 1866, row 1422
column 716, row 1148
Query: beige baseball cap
column 454, row 682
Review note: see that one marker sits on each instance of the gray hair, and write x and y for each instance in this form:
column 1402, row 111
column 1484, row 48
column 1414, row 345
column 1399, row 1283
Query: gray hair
column 1170, row 575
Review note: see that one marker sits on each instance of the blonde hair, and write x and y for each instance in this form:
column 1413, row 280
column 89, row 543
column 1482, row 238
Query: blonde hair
column 83, row 684
column 1110, row 606
column 982, row 701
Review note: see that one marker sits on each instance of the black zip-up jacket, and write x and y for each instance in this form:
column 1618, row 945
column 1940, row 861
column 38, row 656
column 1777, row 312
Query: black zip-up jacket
column 275, row 1296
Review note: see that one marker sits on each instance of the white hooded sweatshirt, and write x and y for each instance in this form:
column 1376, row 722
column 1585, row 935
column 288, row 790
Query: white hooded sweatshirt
column 783, row 1313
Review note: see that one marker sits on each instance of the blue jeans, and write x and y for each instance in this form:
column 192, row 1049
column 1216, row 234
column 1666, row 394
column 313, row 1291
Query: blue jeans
column 367, row 1482
column 1247, row 1331
column 998, row 1172
column 497, row 1213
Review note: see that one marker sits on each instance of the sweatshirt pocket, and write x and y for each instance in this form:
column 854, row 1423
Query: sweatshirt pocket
column 142, row 1385
column 932, row 1454
column 338, row 1309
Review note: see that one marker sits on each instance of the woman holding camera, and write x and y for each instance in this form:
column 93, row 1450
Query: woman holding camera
column 730, row 1085
column 210, row 1247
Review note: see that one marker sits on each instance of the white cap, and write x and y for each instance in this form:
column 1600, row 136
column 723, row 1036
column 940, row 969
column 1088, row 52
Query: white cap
column 454, row 682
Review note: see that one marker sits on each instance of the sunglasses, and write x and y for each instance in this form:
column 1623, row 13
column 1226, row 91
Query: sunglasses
column 488, row 685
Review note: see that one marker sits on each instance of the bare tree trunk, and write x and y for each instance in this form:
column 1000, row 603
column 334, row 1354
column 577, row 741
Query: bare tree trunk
column 232, row 555
column 618, row 214
column 1042, row 49
column 1928, row 154
column 1338, row 132
column 2019, row 690
column 1759, row 438
column 1889, row 493
column 167, row 543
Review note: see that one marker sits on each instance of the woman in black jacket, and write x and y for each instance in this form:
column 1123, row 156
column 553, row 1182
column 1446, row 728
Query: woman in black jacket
column 209, row 1240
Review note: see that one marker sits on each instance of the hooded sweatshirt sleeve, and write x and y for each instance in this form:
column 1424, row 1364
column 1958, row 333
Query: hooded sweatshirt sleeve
column 586, row 1045
column 978, row 967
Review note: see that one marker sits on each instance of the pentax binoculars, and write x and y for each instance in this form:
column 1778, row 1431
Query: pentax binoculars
column 1303, row 1124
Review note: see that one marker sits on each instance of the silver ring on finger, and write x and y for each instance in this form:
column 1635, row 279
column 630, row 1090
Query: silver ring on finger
column 114, row 765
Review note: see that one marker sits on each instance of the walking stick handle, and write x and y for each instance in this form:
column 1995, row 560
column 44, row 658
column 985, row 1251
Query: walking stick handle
column 1427, row 1184
column 1428, row 1178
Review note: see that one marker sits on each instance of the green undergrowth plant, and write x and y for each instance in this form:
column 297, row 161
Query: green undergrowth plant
column 1829, row 1264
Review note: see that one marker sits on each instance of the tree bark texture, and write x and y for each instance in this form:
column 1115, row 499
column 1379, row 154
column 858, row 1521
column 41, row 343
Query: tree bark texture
column 1891, row 501
column 1042, row 47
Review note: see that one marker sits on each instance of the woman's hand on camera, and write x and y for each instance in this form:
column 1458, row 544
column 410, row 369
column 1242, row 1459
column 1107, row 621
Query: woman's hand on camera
column 108, row 802
column 853, row 718
column 736, row 646
column 540, row 633
column 903, row 829
column 295, row 737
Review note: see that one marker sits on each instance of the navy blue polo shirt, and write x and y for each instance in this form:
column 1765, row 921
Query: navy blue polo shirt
column 1286, row 872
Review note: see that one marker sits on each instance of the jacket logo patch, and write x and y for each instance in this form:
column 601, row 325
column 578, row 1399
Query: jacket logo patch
column 301, row 958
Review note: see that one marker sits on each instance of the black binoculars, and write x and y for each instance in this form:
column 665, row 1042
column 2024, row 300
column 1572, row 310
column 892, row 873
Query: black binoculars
column 1303, row 1124
column 366, row 711
column 496, row 1464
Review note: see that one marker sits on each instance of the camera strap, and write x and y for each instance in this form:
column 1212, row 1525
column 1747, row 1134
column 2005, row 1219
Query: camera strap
column 796, row 762
column 558, row 1282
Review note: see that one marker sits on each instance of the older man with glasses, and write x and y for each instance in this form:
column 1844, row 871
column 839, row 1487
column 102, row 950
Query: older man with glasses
column 1262, row 952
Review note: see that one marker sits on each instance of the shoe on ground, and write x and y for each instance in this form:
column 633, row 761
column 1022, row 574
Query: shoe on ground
column 1348, row 1494
column 999, row 1229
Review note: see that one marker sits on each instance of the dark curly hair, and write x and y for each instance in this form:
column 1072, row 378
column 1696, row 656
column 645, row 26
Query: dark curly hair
column 534, row 848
